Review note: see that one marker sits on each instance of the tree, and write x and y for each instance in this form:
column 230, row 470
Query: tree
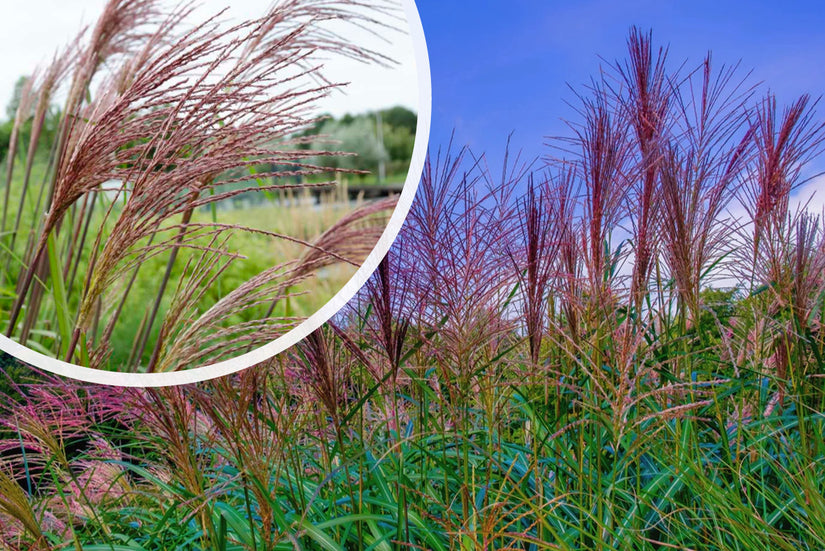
column 5, row 136
column 400, row 117
column 399, row 141
column 11, row 107
column 357, row 137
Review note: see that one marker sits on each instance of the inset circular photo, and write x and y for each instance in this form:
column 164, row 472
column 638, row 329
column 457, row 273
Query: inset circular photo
column 189, row 188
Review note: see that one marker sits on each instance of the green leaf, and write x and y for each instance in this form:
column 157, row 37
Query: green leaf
column 319, row 536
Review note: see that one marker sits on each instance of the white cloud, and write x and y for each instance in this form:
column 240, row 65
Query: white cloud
column 811, row 196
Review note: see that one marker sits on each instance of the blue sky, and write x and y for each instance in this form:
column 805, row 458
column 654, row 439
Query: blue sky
column 502, row 66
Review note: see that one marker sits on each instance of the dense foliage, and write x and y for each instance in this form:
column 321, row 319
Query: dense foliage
column 359, row 134
column 540, row 363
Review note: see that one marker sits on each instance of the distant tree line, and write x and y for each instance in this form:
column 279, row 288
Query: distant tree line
column 386, row 136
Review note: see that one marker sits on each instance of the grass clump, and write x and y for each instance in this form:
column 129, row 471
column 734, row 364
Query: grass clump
column 511, row 377
column 162, row 121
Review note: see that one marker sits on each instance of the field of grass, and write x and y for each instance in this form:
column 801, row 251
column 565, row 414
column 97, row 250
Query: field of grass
column 431, row 415
column 295, row 215
column 548, row 360
column 258, row 253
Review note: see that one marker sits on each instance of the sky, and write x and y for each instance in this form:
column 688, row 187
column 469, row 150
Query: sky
column 34, row 29
column 503, row 66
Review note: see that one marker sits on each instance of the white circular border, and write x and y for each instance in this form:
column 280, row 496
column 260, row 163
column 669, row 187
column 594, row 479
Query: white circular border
column 317, row 319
